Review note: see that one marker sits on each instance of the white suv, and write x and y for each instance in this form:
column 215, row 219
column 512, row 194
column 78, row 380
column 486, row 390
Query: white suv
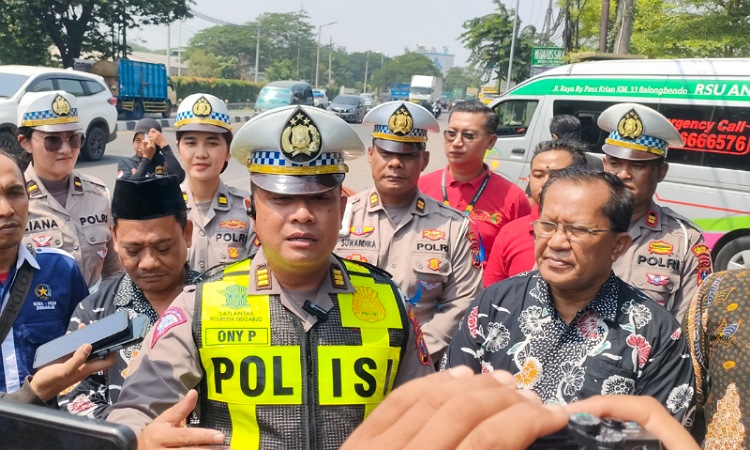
column 96, row 106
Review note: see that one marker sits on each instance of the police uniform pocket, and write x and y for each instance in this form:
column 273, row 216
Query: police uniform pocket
column 96, row 236
column 360, row 255
column 605, row 378
column 659, row 285
column 430, row 270
column 36, row 334
column 48, row 238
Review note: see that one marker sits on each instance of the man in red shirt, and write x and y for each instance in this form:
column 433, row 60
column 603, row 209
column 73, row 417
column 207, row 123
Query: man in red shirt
column 513, row 250
column 467, row 184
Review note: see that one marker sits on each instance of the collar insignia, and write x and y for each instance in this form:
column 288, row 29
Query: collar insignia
column 262, row 277
column 420, row 205
column 337, row 277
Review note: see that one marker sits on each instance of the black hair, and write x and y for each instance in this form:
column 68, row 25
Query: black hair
column 5, row 152
column 476, row 107
column 576, row 149
column 227, row 137
column 565, row 126
column 618, row 209
column 180, row 216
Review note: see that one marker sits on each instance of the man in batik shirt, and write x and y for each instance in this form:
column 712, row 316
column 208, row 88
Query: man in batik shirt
column 152, row 235
column 716, row 326
column 572, row 329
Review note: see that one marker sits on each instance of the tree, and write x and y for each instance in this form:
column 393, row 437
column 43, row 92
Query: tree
column 87, row 25
column 489, row 39
column 283, row 36
column 282, row 69
column 401, row 68
column 459, row 78
column 204, row 64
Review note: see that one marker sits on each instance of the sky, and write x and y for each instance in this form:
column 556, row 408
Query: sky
column 385, row 26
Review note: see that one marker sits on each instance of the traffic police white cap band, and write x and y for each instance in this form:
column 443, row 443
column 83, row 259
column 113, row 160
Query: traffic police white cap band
column 51, row 111
column 637, row 132
column 296, row 149
column 401, row 127
column 203, row 112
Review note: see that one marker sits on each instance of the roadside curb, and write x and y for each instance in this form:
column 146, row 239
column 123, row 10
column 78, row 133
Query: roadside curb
column 129, row 125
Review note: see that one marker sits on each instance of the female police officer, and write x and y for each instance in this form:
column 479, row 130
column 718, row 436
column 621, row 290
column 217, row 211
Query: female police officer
column 222, row 232
column 67, row 210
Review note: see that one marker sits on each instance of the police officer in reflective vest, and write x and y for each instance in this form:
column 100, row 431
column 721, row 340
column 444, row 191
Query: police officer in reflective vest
column 295, row 347
column 668, row 258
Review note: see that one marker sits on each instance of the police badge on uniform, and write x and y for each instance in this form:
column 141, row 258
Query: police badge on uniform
column 300, row 140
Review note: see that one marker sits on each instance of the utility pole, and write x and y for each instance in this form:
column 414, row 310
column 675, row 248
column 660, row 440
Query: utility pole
column 512, row 48
column 169, row 50
column 317, row 59
column 330, row 51
column 257, row 48
column 604, row 26
column 367, row 66
column 624, row 27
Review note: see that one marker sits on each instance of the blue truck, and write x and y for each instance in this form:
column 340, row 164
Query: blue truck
column 400, row 91
column 140, row 87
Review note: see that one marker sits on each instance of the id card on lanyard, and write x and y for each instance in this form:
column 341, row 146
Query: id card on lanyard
column 469, row 208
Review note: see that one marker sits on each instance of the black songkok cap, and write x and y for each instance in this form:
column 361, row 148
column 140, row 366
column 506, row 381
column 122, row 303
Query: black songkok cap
column 150, row 198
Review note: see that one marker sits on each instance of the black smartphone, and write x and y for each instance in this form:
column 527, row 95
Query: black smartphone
column 24, row 427
column 98, row 334
column 137, row 330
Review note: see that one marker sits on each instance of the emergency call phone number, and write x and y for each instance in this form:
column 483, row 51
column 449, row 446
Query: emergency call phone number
column 719, row 143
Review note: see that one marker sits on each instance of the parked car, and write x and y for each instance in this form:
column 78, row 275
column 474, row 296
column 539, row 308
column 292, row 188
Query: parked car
column 96, row 106
column 368, row 99
column 320, row 99
column 283, row 93
column 349, row 107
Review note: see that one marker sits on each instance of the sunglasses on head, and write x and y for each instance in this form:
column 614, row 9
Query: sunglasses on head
column 53, row 143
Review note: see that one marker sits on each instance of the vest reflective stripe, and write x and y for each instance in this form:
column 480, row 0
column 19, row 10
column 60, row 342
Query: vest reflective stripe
column 243, row 370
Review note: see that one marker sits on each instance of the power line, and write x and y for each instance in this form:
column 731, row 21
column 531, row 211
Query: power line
column 213, row 20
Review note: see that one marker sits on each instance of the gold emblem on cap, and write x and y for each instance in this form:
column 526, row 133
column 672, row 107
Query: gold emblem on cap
column 202, row 107
column 401, row 122
column 61, row 106
column 300, row 137
column 630, row 126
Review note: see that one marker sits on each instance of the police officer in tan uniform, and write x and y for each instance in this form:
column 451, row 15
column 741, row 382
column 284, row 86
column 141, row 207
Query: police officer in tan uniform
column 67, row 210
column 294, row 347
column 668, row 259
column 421, row 242
column 223, row 233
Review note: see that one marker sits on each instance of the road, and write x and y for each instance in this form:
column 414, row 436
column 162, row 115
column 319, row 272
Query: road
column 358, row 178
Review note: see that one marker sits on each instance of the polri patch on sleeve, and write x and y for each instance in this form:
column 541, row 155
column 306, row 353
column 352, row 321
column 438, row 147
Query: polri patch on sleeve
column 171, row 318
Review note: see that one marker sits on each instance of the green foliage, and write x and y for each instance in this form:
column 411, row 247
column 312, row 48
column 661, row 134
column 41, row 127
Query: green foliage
column 459, row 78
column 204, row 64
column 489, row 38
column 84, row 25
column 281, row 70
column 235, row 91
column 283, row 37
column 401, row 68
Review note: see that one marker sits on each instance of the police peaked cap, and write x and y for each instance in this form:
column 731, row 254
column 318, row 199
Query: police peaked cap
column 637, row 132
column 401, row 127
column 145, row 199
column 296, row 149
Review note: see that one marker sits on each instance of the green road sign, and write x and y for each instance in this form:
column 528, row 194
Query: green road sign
column 547, row 56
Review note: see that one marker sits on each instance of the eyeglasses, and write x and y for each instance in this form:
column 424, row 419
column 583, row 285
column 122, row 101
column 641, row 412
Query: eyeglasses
column 572, row 232
column 467, row 136
column 54, row 143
